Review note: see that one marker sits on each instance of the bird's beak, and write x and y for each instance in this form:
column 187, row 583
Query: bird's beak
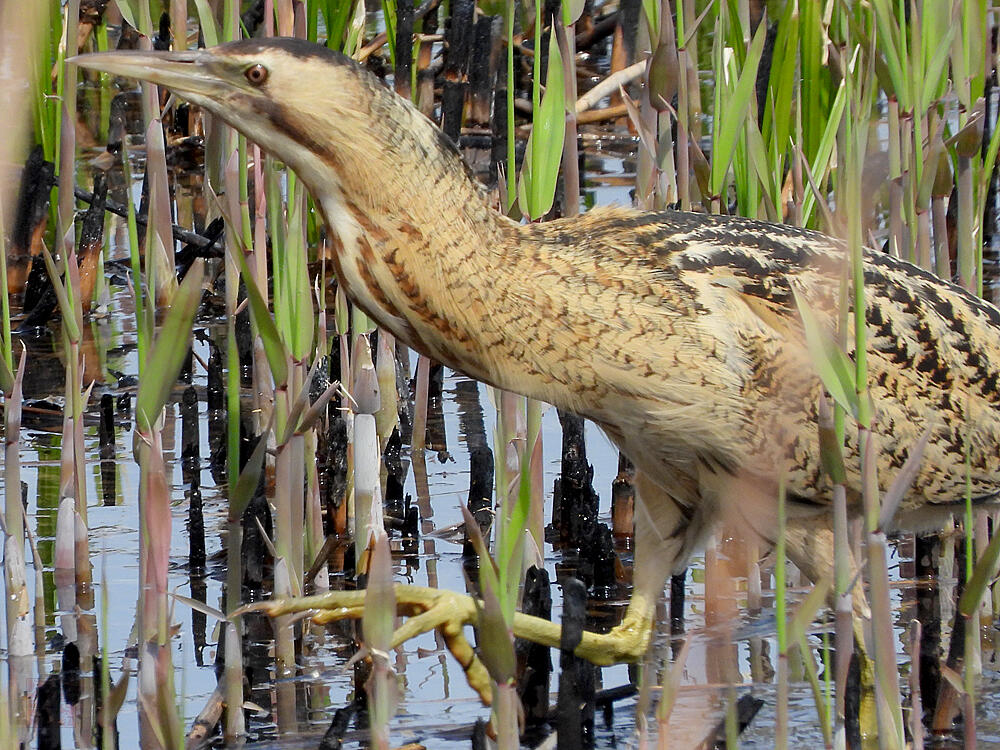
column 188, row 74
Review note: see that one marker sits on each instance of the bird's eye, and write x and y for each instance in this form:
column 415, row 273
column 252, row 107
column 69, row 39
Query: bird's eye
column 256, row 74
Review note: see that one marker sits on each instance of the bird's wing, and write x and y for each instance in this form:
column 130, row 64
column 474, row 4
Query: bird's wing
column 931, row 361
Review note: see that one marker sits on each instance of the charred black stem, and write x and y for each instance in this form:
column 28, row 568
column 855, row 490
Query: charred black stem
column 456, row 66
column 333, row 739
column 746, row 709
column 574, row 502
column 575, row 713
column 534, row 660
column 190, row 437
column 472, row 426
column 404, row 47
column 106, row 441
column 929, row 615
column 180, row 233
column 47, row 713
column 33, row 200
column 482, row 69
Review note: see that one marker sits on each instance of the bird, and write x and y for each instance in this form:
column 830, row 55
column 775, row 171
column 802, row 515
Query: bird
column 678, row 334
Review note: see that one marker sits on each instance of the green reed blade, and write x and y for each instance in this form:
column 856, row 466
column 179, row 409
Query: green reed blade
column 206, row 21
column 543, row 153
column 732, row 108
column 169, row 349
column 834, row 367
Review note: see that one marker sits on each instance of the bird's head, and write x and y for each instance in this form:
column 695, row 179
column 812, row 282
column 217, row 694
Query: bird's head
column 361, row 149
column 307, row 105
column 395, row 192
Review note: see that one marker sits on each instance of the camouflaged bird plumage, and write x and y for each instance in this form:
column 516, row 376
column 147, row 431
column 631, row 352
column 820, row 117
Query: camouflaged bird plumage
column 696, row 358
column 677, row 333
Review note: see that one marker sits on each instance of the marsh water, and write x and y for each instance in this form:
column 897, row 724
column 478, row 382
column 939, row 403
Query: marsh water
column 436, row 707
column 726, row 663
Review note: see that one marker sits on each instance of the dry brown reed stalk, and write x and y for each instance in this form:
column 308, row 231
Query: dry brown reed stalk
column 418, row 440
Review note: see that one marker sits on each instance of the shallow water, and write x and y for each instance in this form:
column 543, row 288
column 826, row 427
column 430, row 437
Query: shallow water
column 437, row 707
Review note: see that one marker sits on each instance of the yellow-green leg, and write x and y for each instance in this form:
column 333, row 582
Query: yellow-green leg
column 660, row 540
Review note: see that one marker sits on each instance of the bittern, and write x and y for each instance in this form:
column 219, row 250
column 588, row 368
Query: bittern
column 677, row 333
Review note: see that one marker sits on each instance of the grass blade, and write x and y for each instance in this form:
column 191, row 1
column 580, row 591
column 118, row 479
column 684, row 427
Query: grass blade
column 169, row 350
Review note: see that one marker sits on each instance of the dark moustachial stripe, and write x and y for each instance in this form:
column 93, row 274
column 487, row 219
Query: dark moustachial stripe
column 284, row 121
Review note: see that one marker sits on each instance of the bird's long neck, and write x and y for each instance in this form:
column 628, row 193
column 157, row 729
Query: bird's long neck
column 416, row 244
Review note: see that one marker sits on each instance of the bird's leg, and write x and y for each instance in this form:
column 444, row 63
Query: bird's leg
column 660, row 540
column 663, row 537
column 750, row 503
column 625, row 643
column 811, row 548
column 448, row 613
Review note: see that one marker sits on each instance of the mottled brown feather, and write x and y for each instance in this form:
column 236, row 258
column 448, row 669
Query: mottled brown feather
column 677, row 333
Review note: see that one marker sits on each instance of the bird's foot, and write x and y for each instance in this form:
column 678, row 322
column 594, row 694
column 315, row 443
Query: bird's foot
column 426, row 609
column 448, row 613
